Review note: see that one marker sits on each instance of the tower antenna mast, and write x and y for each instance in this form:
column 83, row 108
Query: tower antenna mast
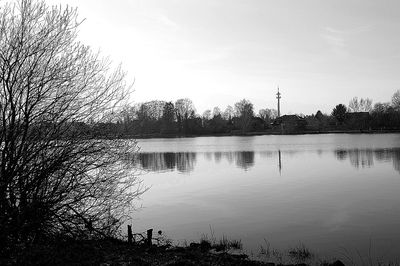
column 278, row 96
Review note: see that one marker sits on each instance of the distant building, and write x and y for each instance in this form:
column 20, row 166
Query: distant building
column 290, row 123
column 287, row 123
column 257, row 124
column 358, row 120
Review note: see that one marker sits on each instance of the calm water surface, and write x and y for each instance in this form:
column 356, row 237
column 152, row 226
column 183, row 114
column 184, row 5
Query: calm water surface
column 335, row 193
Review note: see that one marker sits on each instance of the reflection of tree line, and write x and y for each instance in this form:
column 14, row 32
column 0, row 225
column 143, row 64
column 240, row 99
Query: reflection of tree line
column 365, row 157
column 185, row 161
column 181, row 161
column 245, row 159
column 242, row 159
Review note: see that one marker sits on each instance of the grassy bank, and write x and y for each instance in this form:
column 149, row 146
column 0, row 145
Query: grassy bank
column 207, row 251
column 104, row 252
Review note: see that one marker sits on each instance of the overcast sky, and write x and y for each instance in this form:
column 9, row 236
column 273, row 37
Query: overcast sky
column 218, row 52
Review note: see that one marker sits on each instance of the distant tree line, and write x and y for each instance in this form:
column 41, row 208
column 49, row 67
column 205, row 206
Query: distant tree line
column 361, row 113
column 161, row 118
column 180, row 118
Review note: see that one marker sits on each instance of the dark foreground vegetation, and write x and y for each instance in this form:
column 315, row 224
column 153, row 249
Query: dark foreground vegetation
column 66, row 251
column 54, row 181
column 64, row 190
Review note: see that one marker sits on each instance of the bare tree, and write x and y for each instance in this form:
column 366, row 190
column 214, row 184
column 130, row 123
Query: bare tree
column 365, row 105
column 216, row 111
column 207, row 114
column 228, row 113
column 244, row 111
column 53, row 177
column 184, row 109
column 268, row 114
column 381, row 107
column 396, row 100
column 168, row 118
column 155, row 109
column 354, row 105
column 362, row 105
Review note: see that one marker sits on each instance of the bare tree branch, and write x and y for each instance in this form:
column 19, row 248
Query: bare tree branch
column 54, row 178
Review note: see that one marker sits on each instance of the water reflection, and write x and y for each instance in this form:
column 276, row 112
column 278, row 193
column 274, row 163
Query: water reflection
column 335, row 190
column 185, row 161
column 365, row 157
column 167, row 161
column 280, row 162
column 242, row 159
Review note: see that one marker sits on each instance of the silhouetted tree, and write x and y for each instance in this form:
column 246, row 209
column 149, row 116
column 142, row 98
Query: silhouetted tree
column 217, row 124
column 228, row 113
column 168, row 118
column 184, row 108
column 206, row 115
column 128, row 116
column 155, row 109
column 244, row 112
column 385, row 116
column 268, row 115
column 381, row 107
column 216, row 112
column 339, row 112
column 53, row 177
column 319, row 115
column 206, row 118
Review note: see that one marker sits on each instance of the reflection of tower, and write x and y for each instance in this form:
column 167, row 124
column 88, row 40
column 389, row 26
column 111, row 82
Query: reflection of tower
column 280, row 162
column 278, row 96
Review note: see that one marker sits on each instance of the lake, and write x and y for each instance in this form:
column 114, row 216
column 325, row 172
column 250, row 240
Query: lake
column 335, row 193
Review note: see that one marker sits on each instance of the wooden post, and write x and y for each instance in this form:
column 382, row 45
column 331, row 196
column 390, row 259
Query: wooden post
column 149, row 237
column 130, row 236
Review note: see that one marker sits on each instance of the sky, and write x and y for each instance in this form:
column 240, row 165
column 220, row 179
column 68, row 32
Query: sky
column 217, row 52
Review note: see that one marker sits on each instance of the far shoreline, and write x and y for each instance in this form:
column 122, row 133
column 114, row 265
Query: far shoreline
column 256, row 133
